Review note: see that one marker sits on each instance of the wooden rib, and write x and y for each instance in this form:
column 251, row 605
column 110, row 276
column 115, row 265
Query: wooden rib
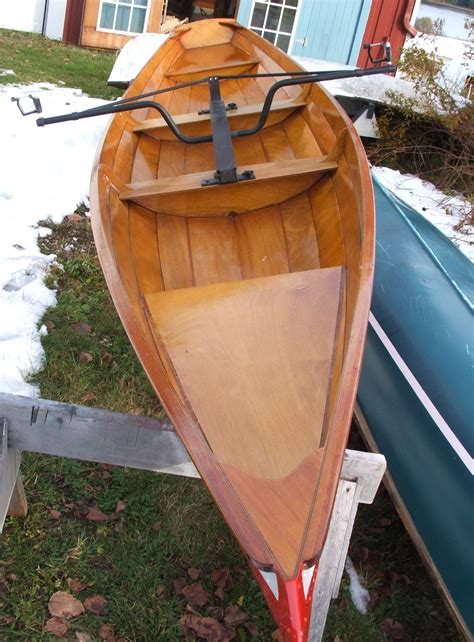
column 276, row 144
column 146, row 158
column 198, row 125
column 273, row 183
column 301, row 137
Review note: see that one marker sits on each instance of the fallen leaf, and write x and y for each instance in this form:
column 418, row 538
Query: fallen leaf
column 106, row 632
column 160, row 590
column 196, row 595
column 82, row 637
column 55, row 514
column 90, row 396
column 179, row 585
column 193, row 573
column 49, row 325
column 96, row 604
column 393, row 629
column 12, row 577
column 83, row 328
column 338, row 639
column 96, row 515
column 120, row 507
column 234, row 616
column 57, row 626
column 76, row 585
column 157, row 526
column 220, row 578
column 252, row 629
column 207, row 628
column 63, row 604
column 73, row 217
column 86, row 357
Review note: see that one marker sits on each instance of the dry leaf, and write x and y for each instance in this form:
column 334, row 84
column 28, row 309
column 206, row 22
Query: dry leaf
column 55, row 514
column 86, row 357
column 96, row 604
column 196, row 595
column 57, row 626
column 234, row 616
column 12, row 577
column 90, row 396
column 393, row 629
column 120, row 507
column 106, row 632
column 179, row 585
column 82, row 637
column 83, row 328
column 73, row 217
column 338, row 639
column 157, row 526
column 49, row 325
column 220, row 578
column 75, row 585
column 193, row 573
column 207, row 628
column 62, row 604
column 96, row 515
column 252, row 629
column 160, row 590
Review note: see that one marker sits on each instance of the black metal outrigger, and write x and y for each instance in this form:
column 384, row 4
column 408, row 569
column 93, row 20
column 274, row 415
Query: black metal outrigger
column 222, row 135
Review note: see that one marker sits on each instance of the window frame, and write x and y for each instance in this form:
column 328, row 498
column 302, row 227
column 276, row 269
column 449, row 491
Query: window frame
column 283, row 5
column 132, row 5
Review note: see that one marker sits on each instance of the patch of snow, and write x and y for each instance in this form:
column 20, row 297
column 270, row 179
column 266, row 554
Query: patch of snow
column 46, row 173
column 359, row 594
column 445, row 212
column 368, row 87
column 7, row 72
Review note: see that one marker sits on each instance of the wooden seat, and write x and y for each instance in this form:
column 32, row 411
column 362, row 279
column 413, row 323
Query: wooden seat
column 254, row 359
column 274, row 183
column 195, row 124
column 200, row 62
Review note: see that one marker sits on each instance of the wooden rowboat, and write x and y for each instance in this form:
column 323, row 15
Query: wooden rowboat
column 246, row 300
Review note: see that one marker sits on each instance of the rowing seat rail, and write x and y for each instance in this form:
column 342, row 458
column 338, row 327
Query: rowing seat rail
column 92, row 434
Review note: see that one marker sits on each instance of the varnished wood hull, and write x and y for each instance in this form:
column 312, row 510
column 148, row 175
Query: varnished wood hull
column 247, row 303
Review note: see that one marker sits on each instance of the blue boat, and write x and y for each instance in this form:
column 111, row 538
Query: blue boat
column 416, row 394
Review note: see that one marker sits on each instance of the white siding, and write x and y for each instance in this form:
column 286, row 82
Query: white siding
column 22, row 15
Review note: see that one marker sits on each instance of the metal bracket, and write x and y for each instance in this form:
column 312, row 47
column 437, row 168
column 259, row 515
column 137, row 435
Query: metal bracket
column 37, row 108
column 387, row 51
column 246, row 175
column 228, row 107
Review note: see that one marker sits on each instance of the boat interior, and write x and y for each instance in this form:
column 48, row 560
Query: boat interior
column 244, row 292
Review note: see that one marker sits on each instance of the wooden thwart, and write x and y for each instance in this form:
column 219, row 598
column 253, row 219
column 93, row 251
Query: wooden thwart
column 274, row 183
column 194, row 124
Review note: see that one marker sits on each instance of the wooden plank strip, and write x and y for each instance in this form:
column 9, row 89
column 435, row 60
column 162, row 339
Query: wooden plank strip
column 93, row 434
column 9, row 466
column 301, row 241
column 214, row 249
column 173, row 243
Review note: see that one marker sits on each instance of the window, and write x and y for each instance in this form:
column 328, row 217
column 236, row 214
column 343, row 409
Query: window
column 126, row 16
column 274, row 20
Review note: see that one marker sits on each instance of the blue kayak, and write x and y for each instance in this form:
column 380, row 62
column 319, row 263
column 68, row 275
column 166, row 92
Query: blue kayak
column 416, row 393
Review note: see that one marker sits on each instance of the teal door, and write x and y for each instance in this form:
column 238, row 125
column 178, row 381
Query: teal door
column 324, row 29
column 331, row 29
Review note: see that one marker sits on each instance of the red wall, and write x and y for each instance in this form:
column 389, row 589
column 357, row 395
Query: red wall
column 387, row 19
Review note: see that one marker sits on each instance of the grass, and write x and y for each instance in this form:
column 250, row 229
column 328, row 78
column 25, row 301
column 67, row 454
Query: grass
column 169, row 524
column 34, row 58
